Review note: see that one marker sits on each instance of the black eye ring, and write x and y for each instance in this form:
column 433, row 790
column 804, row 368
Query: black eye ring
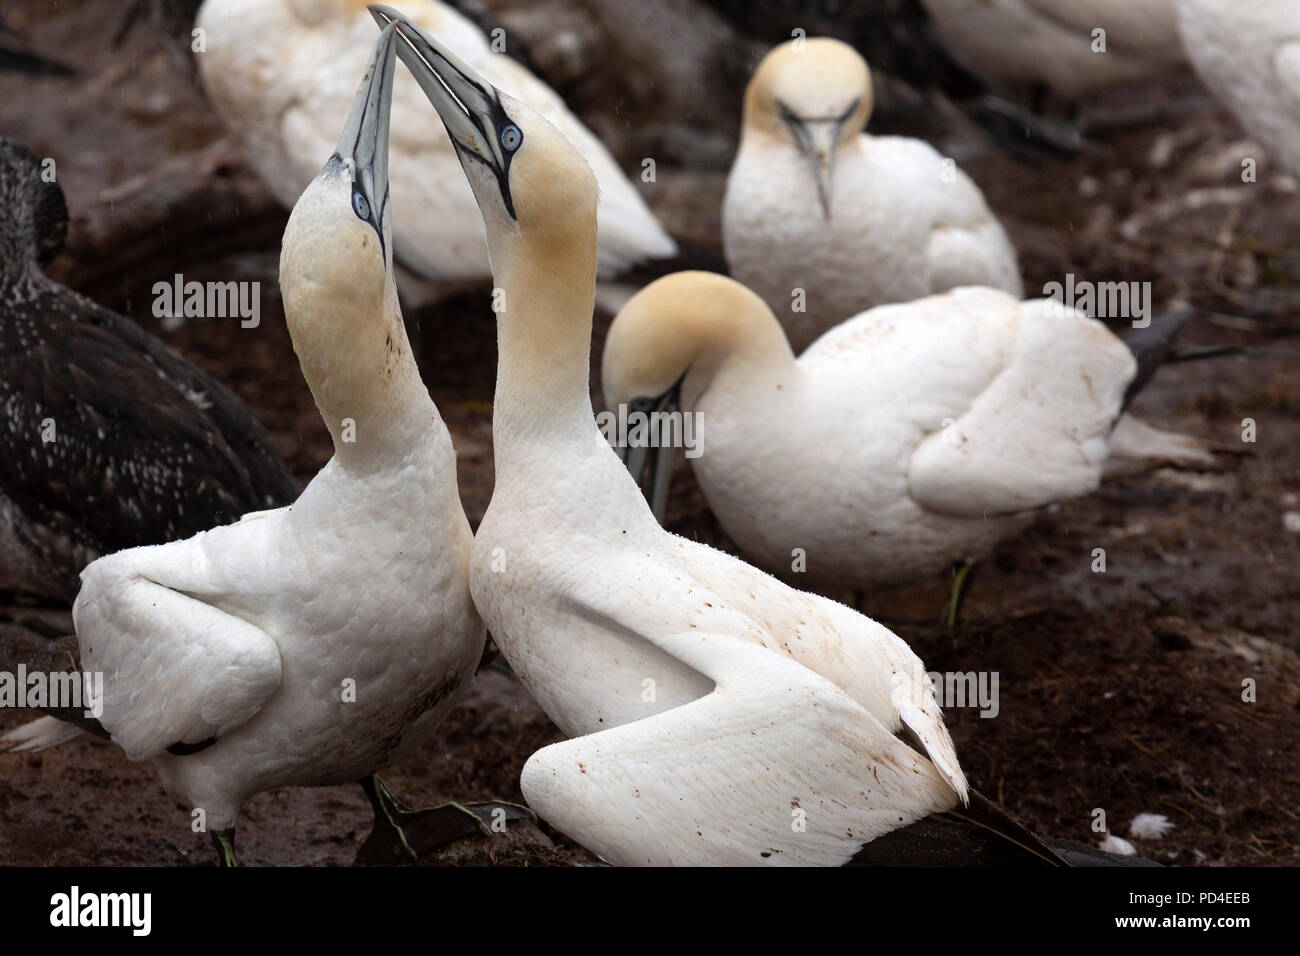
column 511, row 137
column 360, row 206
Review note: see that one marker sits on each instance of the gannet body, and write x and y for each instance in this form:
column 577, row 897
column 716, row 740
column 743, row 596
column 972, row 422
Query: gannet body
column 279, row 73
column 317, row 643
column 1049, row 43
column 1248, row 54
column 719, row 716
column 111, row 440
column 905, row 440
column 824, row 221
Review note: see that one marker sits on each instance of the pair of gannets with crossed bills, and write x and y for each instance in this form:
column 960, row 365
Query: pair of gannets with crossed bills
column 824, row 221
column 905, row 440
column 1053, row 44
column 1248, row 54
column 318, row 643
column 278, row 73
column 717, row 715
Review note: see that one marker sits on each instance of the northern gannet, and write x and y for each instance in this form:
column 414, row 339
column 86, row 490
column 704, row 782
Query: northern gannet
column 1248, row 54
column 824, row 221
column 110, row 439
column 318, row 643
column 906, row 440
column 1053, row 44
column 717, row 715
column 276, row 72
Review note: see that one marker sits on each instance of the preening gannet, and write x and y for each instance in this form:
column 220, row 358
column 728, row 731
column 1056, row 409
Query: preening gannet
column 717, row 715
column 317, row 643
column 824, row 221
column 277, row 71
column 905, row 440
column 1053, row 44
column 1248, row 54
column 110, row 439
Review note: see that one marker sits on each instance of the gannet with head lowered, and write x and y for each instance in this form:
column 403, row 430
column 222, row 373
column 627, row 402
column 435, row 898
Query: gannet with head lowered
column 824, row 220
column 318, row 643
column 905, row 440
column 711, row 706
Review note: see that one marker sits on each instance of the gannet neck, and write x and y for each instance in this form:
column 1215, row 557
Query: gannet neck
column 546, row 283
column 699, row 328
column 341, row 308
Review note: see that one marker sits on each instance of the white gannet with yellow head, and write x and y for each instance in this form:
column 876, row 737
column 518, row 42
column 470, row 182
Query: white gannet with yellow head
column 824, row 221
column 710, row 705
column 906, row 440
column 318, row 643
column 1055, row 45
column 277, row 72
column 1248, row 54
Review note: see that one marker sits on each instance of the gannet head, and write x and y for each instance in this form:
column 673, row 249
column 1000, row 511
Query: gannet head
column 336, row 257
column 815, row 93
column 667, row 344
column 35, row 223
column 534, row 190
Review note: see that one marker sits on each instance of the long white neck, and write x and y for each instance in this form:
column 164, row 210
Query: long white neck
column 543, row 394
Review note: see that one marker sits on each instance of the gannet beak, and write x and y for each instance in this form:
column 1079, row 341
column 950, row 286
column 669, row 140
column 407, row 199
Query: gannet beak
column 818, row 139
column 661, row 459
column 364, row 143
column 469, row 105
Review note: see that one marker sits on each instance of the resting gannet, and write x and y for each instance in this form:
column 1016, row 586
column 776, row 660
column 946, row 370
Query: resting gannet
column 1053, row 44
column 823, row 220
column 718, row 715
column 111, row 440
column 276, row 72
column 905, row 440
column 318, row 643
column 1248, row 54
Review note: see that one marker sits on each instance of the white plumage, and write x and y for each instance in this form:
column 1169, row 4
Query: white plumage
column 317, row 643
column 1051, row 43
column 1248, row 54
column 824, row 221
column 720, row 716
column 280, row 73
column 906, row 439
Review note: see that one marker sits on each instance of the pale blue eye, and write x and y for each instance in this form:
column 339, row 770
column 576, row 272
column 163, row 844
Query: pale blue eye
column 511, row 137
column 360, row 206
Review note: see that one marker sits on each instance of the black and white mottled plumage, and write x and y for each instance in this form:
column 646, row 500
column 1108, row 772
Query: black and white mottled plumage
column 145, row 446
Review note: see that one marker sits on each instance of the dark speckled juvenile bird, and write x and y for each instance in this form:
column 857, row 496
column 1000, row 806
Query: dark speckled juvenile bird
column 108, row 439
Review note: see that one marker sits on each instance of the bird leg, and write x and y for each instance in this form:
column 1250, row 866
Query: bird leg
column 400, row 834
column 951, row 617
column 224, row 841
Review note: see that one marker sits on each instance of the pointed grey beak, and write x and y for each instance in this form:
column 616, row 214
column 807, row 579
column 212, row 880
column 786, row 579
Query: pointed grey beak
column 364, row 143
column 469, row 105
column 660, row 475
column 818, row 139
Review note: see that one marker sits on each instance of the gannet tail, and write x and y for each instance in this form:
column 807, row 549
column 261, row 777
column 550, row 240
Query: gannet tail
column 39, row 734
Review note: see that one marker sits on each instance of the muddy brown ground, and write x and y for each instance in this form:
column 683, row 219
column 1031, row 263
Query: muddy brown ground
column 1120, row 691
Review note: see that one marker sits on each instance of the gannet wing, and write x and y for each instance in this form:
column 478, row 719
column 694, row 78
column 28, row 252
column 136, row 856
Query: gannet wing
column 775, row 765
column 178, row 671
column 1038, row 432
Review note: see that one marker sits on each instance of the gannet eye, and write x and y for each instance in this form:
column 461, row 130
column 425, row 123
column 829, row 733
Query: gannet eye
column 511, row 137
column 360, row 206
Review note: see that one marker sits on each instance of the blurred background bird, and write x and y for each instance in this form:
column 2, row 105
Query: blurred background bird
column 278, row 71
column 111, row 439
